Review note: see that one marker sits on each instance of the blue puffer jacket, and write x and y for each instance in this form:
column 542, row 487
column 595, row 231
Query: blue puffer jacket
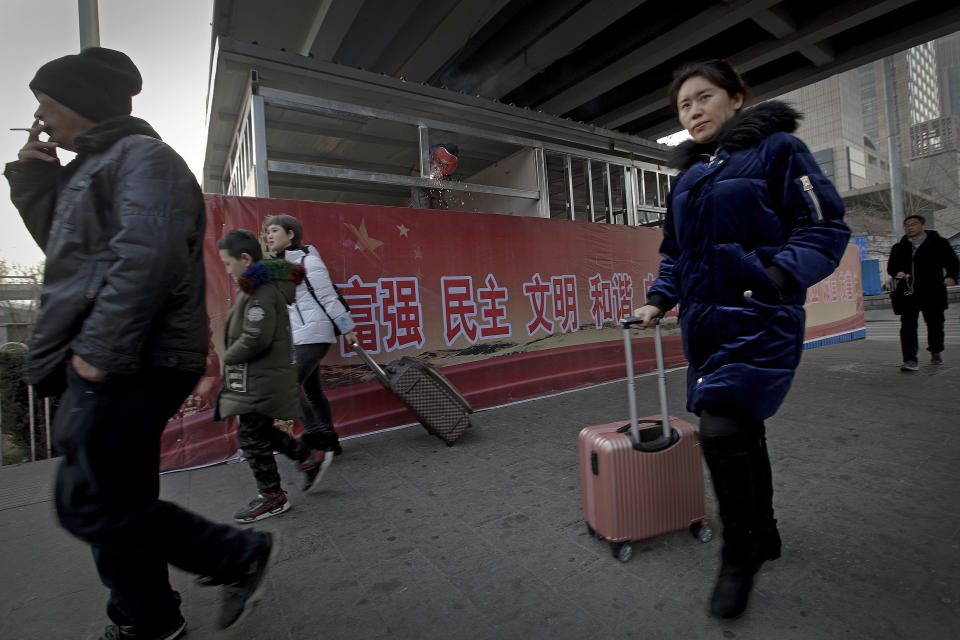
column 751, row 224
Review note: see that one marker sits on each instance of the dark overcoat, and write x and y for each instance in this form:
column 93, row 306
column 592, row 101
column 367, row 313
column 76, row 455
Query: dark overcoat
column 122, row 228
column 927, row 265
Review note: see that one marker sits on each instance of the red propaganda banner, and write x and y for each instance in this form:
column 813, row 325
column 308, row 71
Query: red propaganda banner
column 835, row 304
column 510, row 308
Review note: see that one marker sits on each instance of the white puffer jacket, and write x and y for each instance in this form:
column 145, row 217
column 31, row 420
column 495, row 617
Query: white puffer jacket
column 309, row 323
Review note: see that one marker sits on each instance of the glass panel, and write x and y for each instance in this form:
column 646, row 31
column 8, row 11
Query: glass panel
column 664, row 188
column 557, row 185
column 650, row 189
column 601, row 206
column 581, row 197
column 618, row 192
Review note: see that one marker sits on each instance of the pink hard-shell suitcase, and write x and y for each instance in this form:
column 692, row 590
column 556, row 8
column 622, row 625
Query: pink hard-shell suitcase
column 642, row 478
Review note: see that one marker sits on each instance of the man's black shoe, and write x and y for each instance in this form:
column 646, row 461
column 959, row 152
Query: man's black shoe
column 238, row 597
column 146, row 632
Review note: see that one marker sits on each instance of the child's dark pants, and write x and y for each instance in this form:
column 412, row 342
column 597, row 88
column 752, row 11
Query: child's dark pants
column 259, row 439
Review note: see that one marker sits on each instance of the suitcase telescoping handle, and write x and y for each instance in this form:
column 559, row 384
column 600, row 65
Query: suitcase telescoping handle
column 666, row 436
column 370, row 362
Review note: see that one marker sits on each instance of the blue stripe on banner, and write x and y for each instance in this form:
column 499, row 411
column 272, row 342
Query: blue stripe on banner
column 858, row 334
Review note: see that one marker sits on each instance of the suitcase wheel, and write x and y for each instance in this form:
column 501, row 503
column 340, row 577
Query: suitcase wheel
column 702, row 531
column 622, row 551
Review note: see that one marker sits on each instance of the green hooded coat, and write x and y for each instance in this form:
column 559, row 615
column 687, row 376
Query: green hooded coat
column 259, row 365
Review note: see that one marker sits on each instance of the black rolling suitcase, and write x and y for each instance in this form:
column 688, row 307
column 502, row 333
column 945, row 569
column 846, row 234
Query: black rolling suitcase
column 430, row 397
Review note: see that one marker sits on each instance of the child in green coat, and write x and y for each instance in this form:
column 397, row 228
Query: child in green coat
column 260, row 372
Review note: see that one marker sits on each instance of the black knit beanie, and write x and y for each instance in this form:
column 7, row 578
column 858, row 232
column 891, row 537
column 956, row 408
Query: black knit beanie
column 97, row 83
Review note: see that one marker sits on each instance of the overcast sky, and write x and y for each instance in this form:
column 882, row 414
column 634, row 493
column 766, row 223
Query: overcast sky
column 168, row 40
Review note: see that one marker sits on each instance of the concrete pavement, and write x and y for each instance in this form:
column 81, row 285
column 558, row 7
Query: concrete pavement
column 411, row 539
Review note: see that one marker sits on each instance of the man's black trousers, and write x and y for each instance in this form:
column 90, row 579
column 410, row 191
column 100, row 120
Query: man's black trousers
column 909, row 316
column 107, row 491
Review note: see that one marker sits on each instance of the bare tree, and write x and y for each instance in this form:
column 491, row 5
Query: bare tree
column 20, row 287
column 937, row 176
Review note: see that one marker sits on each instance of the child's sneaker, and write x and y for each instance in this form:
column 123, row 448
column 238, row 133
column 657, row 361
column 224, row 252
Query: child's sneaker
column 314, row 467
column 909, row 365
column 266, row 504
column 936, row 358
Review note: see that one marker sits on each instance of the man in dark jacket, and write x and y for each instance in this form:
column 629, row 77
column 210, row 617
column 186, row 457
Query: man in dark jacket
column 923, row 265
column 122, row 333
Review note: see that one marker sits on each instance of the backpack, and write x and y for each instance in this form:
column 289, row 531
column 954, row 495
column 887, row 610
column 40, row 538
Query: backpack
column 306, row 281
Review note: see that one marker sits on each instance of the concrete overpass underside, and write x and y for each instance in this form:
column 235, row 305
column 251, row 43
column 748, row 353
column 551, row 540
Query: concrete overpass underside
column 604, row 62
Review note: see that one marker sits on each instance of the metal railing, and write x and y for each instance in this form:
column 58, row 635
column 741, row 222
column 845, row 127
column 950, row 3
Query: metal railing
column 28, row 414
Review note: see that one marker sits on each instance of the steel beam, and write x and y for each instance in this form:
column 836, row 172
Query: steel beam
column 589, row 20
column 318, row 18
column 655, row 52
column 448, row 37
column 340, row 173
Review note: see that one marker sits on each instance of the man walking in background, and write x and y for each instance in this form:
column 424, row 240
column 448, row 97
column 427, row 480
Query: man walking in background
column 122, row 333
column 923, row 265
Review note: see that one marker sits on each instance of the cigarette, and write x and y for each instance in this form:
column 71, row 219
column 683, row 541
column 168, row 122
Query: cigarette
column 21, row 129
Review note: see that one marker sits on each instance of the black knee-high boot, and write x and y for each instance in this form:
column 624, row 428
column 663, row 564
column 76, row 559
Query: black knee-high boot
column 764, row 524
column 736, row 454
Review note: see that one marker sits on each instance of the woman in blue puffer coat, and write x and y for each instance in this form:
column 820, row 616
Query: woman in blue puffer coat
column 751, row 224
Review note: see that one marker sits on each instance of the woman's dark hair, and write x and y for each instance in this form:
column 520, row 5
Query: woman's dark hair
column 718, row 71
column 237, row 242
column 288, row 224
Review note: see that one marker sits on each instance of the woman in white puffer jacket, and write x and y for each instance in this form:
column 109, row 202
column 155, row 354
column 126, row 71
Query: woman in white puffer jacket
column 312, row 318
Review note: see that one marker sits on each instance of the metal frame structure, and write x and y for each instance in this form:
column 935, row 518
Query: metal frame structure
column 250, row 166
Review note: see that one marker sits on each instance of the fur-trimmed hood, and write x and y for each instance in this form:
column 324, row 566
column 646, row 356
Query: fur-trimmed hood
column 286, row 274
column 745, row 129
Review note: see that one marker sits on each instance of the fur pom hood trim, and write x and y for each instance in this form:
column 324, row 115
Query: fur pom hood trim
column 747, row 128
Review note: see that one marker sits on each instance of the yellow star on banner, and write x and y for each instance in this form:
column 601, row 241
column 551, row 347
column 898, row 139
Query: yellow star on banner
column 364, row 241
column 403, row 230
column 418, row 253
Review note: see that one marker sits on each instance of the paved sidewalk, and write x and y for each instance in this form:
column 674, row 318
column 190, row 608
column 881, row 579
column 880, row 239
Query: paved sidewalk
column 410, row 539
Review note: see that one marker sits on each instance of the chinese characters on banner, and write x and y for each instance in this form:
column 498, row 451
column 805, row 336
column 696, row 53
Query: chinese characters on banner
column 835, row 304
column 841, row 286
column 389, row 315
column 460, row 287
